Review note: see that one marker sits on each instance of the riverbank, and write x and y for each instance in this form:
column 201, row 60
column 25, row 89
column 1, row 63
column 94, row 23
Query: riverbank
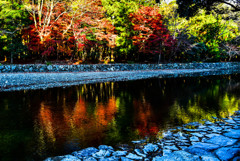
column 208, row 141
column 113, row 67
column 12, row 81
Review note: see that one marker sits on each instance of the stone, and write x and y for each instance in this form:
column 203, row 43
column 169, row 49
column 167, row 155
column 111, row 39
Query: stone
column 149, row 148
column 215, row 128
column 194, row 124
column 212, row 135
column 113, row 158
column 173, row 147
column 138, row 141
column 90, row 159
column 50, row 67
column 166, row 152
column 178, row 156
column 230, row 121
column 105, row 147
column 194, row 138
column 227, row 153
column 221, row 140
column 202, row 127
column 133, row 156
column 14, row 67
column 208, row 158
column 197, row 134
column 205, row 146
column 233, row 134
column 157, row 158
column 119, row 153
column 85, row 152
column 208, row 123
column 139, row 152
column 102, row 154
column 125, row 159
column 197, row 151
column 63, row 158
column 70, row 158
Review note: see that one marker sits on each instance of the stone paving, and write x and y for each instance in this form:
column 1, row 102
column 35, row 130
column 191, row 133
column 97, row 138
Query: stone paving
column 208, row 141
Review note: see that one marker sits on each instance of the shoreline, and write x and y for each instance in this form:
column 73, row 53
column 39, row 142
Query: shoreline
column 35, row 81
column 210, row 141
column 16, row 80
column 43, row 68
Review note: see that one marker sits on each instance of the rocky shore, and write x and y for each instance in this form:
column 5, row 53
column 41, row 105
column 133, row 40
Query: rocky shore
column 207, row 141
column 113, row 67
column 31, row 77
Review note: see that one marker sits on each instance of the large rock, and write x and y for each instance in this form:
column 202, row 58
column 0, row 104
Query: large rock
column 149, row 148
column 205, row 146
column 198, row 151
column 208, row 158
column 105, row 147
column 227, row 153
column 233, row 134
column 119, row 153
column 102, row 154
column 112, row 158
column 178, row 156
column 63, row 158
column 85, row 152
column 134, row 156
column 221, row 140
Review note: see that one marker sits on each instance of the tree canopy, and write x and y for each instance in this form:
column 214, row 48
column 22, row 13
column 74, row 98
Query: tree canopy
column 191, row 7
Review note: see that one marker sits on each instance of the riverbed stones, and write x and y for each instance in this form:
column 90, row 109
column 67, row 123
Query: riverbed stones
column 233, row 134
column 205, row 146
column 150, row 148
column 210, row 146
column 221, row 140
column 227, row 153
column 85, row 152
column 133, row 156
column 115, row 67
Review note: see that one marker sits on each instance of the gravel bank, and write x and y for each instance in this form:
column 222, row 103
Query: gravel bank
column 32, row 81
column 26, row 81
column 113, row 67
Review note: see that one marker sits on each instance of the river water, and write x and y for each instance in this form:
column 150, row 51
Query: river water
column 36, row 124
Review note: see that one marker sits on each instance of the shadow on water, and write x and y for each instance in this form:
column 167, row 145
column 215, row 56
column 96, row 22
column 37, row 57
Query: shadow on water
column 42, row 123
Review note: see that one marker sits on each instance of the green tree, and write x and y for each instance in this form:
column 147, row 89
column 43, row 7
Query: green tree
column 13, row 18
column 118, row 12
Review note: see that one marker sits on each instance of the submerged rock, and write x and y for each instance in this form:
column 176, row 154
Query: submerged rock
column 133, row 156
column 205, row 146
column 221, row 140
column 233, row 134
column 150, row 148
column 178, row 156
column 227, row 153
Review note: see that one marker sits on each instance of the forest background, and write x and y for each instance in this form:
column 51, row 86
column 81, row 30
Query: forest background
column 125, row 31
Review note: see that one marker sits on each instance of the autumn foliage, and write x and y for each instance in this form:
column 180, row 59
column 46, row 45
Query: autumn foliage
column 61, row 33
column 84, row 32
column 151, row 36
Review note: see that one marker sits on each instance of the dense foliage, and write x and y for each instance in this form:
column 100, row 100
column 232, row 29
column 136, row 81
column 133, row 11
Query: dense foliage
column 94, row 31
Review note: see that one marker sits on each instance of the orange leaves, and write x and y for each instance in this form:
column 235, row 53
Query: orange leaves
column 150, row 34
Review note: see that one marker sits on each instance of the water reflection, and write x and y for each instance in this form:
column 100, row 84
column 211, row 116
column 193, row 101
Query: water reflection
column 58, row 121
